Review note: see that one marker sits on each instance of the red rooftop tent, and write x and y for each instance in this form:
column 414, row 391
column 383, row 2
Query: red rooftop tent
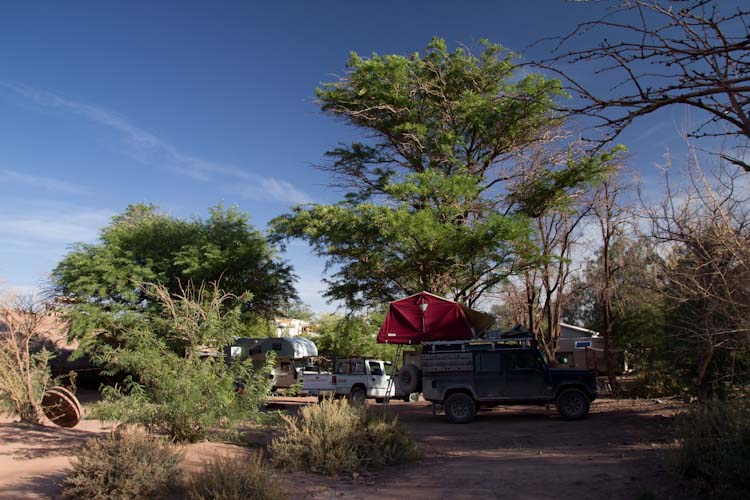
column 424, row 317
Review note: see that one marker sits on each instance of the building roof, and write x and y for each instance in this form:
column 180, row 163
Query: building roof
column 578, row 331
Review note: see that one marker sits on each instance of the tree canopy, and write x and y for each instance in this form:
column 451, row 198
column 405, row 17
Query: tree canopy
column 145, row 245
column 433, row 199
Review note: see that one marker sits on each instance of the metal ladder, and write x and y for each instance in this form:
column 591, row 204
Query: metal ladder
column 392, row 378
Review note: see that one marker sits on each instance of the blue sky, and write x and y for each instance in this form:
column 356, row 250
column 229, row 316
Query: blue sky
column 190, row 104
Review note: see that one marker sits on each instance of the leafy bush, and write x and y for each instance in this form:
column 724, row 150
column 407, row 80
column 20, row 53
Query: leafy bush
column 123, row 467
column 183, row 397
column 234, row 478
column 24, row 374
column 334, row 437
column 716, row 448
column 170, row 387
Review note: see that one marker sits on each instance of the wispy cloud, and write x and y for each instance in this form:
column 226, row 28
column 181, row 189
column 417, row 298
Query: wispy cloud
column 22, row 229
column 268, row 188
column 35, row 235
column 39, row 182
column 150, row 149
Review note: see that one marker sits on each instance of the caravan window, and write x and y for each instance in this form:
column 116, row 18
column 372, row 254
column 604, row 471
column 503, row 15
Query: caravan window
column 582, row 344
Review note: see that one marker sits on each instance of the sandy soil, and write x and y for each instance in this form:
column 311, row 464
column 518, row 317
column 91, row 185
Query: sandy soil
column 617, row 453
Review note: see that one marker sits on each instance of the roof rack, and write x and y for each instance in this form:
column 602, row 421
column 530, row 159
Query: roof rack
column 478, row 345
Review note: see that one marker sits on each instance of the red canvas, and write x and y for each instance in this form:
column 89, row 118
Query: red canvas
column 442, row 319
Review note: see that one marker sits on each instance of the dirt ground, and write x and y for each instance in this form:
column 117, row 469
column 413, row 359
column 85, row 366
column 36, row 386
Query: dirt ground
column 617, row 453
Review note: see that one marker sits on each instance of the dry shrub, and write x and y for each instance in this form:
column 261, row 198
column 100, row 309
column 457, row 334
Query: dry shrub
column 123, row 467
column 334, row 437
column 235, row 478
column 24, row 374
column 654, row 381
column 715, row 448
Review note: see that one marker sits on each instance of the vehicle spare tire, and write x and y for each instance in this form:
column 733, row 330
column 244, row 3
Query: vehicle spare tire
column 409, row 378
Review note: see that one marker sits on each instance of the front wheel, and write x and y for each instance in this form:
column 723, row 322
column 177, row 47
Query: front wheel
column 460, row 408
column 572, row 404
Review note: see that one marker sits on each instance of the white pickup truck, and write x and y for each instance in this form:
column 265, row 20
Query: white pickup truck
column 355, row 378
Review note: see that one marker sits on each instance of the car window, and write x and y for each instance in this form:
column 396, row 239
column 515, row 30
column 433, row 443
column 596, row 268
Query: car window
column 521, row 360
column 358, row 367
column 487, row 362
column 375, row 369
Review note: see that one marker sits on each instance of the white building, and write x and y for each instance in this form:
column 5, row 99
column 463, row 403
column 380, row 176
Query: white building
column 289, row 327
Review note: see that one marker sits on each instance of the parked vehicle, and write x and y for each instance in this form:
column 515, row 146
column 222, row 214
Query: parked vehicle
column 292, row 355
column 355, row 378
column 465, row 375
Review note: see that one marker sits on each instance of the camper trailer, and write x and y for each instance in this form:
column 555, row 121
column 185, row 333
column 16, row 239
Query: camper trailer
column 292, row 353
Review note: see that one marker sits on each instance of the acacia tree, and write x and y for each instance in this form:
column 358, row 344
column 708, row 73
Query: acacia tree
column 660, row 54
column 428, row 204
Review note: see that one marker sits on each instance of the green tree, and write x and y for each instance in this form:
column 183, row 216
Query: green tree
column 352, row 335
column 639, row 312
column 433, row 201
column 145, row 245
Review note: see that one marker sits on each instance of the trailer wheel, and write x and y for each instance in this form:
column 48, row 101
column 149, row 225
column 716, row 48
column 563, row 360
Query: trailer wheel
column 460, row 408
column 357, row 396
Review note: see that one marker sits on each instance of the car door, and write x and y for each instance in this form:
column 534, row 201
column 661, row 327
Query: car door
column 525, row 377
column 488, row 380
column 378, row 378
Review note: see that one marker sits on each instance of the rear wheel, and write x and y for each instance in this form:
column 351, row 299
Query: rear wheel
column 460, row 408
column 572, row 404
column 357, row 396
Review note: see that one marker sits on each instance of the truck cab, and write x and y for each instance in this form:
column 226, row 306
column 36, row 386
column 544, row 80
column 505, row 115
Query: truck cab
column 466, row 375
column 355, row 378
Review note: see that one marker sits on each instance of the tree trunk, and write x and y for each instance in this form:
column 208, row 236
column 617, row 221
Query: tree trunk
column 36, row 415
column 703, row 370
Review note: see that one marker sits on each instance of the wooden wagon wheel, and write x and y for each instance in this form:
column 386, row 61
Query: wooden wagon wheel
column 61, row 407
